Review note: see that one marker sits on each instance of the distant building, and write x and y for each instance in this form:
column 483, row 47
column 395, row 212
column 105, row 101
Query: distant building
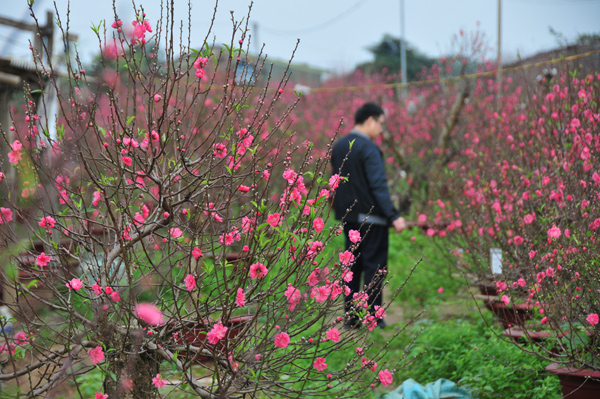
column 254, row 70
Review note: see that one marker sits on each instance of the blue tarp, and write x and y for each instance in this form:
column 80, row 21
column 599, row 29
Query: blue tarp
column 440, row 389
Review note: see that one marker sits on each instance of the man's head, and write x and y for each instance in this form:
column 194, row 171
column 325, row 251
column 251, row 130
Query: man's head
column 369, row 119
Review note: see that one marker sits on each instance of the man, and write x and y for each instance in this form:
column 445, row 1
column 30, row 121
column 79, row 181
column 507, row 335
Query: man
column 363, row 203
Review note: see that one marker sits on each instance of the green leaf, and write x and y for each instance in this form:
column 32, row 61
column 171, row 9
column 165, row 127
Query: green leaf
column 60, row 132
column 206, row 51
column 208, row 267
column 32, row 283
column 129, row 120
column 11, row 272
column 96, row 29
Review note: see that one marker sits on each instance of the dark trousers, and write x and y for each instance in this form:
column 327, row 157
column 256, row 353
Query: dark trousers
column 370, row 257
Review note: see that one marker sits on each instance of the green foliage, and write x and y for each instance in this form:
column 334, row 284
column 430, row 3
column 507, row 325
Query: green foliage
column 90, row 383
column 434, row 270
column 466, row 351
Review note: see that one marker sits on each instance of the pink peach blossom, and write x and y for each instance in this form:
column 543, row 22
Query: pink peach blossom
column 96, row 198
column 334, row 181
column 386, row 377
column 274, row 219
column 347, row 275
column 190, row 282
column 354, row 236
column 258, row 270
column 554, row 232
column 75, row 284
column 96, row 354
column 321, row 293
column 318, row 225
column 47, row 222
column 175, row 232
column 293, row 295
column 217, row 333
column 240, row 298
column 282, row 340
column 6, row 215
column 346, row 258
column 149, row 313
column 158, row 381
column 320, row 364
column 196, row 253
column 15, row 155
column 21, row 338
column 42, row 260
column 333, row 334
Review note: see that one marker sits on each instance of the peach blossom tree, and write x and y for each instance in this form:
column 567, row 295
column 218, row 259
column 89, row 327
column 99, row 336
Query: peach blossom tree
column 171, row 234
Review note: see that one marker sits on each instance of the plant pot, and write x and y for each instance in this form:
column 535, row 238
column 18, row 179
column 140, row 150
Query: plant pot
column 575, row 383
column 523, row 336
column 510, row 315
column 486, row 287
column 194, row 334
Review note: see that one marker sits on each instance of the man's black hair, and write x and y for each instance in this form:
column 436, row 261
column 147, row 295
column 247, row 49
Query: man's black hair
column 366, row 111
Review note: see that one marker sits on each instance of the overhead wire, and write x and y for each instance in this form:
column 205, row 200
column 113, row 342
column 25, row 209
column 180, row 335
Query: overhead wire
column 554, row 2
column 319, row 26
column 455, row 78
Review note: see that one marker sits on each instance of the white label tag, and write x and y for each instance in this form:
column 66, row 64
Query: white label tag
column 496, row 260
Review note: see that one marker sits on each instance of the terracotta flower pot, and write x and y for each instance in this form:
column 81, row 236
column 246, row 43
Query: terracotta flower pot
column 577, row 384
column 195, row 335
column 522, row 335
column 510, row 315
column 486, row 287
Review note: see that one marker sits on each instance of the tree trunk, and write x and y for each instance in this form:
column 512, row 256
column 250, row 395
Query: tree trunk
column 131, row 367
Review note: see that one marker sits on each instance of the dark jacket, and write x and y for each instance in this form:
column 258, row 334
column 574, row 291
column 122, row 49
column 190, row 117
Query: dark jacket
column 366, row 183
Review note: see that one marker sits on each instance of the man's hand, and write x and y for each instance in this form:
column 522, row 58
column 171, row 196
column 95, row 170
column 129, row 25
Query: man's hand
column 399, row 224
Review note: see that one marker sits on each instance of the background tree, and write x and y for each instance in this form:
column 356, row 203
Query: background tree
column 386, row 55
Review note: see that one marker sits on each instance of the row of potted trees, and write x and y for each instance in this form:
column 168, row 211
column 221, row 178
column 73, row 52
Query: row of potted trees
column 526, row 197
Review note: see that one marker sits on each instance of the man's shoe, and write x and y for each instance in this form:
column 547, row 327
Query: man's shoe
column 382, row 324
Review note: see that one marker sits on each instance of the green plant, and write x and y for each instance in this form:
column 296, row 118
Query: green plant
column 434, row 269
column 465, row 350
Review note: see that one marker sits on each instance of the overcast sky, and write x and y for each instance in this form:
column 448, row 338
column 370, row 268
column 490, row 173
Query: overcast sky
column 335, row 34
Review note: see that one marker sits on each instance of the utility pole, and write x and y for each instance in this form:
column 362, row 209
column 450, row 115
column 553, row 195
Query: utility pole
column 499, row 56
column 255, row 37
column 402, row 48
